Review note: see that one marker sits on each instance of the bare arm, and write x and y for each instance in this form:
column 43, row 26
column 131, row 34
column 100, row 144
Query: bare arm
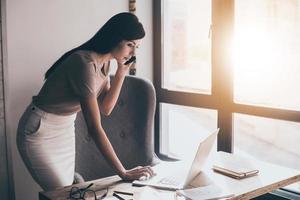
column 92, row 117
column 112, row 92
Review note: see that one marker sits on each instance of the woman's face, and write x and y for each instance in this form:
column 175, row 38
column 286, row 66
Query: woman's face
column 125, row 50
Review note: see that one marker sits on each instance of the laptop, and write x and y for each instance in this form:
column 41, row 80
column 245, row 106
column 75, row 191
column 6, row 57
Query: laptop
column 178, row 175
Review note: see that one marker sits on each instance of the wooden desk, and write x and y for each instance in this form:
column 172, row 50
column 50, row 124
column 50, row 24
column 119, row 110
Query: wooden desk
column 270, row 177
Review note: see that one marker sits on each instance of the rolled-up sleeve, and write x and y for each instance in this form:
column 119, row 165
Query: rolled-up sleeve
column 82, row 76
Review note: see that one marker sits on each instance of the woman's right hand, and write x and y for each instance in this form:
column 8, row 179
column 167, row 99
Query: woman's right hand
column 137, row 172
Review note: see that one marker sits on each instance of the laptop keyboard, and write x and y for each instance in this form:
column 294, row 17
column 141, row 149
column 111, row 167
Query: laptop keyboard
column 170, row 180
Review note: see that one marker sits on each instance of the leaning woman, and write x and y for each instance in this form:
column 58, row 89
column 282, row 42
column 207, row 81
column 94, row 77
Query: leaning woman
column 78, row 81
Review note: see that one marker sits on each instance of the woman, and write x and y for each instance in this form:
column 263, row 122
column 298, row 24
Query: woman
column 78, row 81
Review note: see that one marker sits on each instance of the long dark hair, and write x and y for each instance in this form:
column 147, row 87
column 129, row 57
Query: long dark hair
column 122, row 26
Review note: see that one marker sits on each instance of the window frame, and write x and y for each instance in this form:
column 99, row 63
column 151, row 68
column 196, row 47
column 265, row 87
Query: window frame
column 221, row 98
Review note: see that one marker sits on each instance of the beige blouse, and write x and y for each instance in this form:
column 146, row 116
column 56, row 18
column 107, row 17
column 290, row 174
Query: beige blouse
column 79, row 75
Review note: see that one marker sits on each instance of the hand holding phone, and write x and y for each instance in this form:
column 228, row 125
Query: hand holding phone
column 132, row 59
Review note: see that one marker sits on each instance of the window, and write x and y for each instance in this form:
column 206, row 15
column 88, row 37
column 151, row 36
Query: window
column 187, row 65
column 176, row 121
column 267, row 51
column 231, row 64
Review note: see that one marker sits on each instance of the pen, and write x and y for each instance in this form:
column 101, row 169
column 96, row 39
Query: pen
column 91, row 184
column 118, row 196
column 126, row 193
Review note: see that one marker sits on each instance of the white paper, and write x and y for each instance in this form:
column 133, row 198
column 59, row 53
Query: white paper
column 149, row 193
column 209, row 192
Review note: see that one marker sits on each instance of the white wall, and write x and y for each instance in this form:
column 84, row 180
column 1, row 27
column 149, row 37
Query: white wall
column 38, row 32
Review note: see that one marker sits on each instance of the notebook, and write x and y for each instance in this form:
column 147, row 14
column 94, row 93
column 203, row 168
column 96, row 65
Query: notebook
column 209, row 192
column 178, row 175
column 234, row 166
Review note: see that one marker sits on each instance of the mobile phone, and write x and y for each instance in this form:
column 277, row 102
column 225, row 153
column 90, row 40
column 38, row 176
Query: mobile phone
column 132, row 59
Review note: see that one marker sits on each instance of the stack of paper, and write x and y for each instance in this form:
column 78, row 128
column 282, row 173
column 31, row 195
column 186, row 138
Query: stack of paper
column 210, row 192
column 234, row 166
column 149, row 193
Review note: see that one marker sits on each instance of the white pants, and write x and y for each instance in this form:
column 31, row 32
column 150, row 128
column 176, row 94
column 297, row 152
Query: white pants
column 46, row 143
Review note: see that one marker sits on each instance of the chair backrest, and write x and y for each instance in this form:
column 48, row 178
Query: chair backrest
column 129, row 128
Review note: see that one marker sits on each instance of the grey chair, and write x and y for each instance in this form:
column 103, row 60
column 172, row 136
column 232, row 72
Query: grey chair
column 129, row 128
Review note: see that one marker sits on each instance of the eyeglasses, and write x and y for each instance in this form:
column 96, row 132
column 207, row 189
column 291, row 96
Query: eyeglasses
column 83, row 193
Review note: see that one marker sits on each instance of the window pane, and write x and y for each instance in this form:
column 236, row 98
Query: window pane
column 182, row 127
column 271, row 140
column 186, row 50
column 267, row 51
